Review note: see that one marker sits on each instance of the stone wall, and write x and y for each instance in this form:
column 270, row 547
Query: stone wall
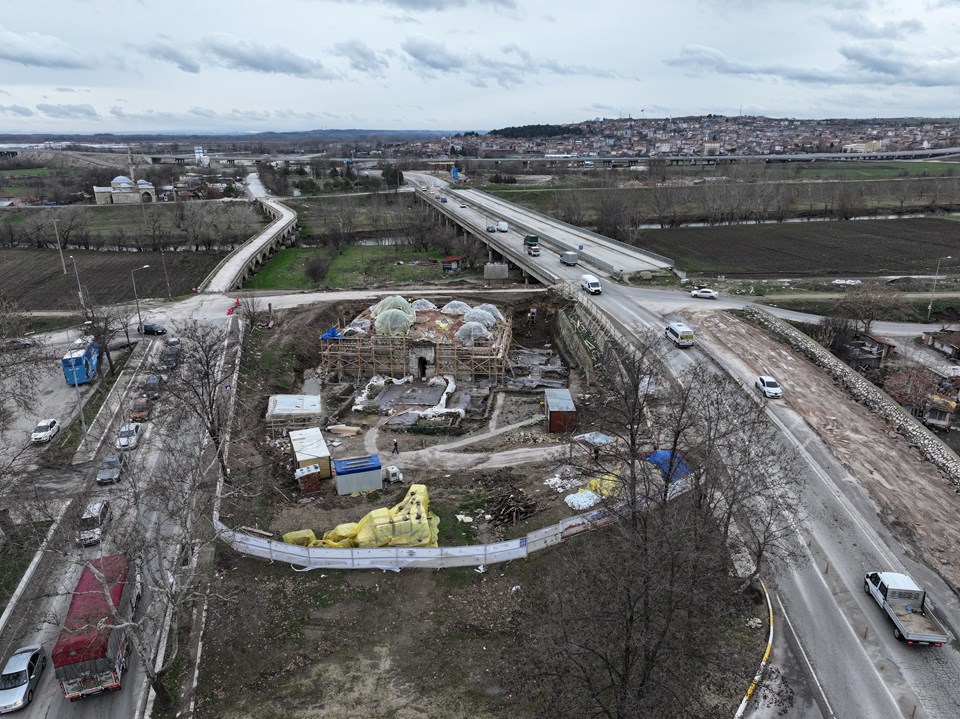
column 864, row 391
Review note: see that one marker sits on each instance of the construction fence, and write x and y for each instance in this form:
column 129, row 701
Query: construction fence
column 397, row 558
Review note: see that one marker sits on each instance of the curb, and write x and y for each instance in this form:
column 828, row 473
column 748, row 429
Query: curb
column 763, row 662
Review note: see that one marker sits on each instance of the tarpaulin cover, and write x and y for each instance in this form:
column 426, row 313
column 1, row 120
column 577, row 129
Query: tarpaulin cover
column 492, row 309
column 606, row 486
column 331, row 334
column 83, row 648
column 671, row 464
column 478, row 315
column 423, row 305
column 471, row 332
column 408, row 524
column 393, row 323
column 393, row 302
column 455, row 307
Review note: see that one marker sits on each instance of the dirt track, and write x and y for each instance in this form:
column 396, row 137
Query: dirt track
column 875, row 455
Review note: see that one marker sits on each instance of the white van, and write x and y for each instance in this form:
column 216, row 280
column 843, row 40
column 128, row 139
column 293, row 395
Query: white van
column 590, row 284
column 502, row 226
column 679, row 334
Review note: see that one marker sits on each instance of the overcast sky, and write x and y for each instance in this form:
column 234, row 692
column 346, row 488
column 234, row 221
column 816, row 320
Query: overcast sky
column 171, row 65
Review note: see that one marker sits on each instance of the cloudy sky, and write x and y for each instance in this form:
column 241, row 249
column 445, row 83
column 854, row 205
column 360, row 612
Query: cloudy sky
column 171, row 65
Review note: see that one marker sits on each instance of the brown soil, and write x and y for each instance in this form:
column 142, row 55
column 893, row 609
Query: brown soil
column 878, row 457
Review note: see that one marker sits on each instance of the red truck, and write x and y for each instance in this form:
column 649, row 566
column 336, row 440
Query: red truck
column 91, row 655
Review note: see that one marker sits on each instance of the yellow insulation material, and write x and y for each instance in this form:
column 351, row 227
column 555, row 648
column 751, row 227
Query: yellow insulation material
column 408, row 524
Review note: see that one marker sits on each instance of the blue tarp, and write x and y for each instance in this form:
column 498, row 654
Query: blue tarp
column 331, row 334
column 672, row 466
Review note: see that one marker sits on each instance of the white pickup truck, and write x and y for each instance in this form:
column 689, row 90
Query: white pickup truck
column 906, row 605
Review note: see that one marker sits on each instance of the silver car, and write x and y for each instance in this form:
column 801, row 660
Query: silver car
column 93, row 523
column 20, row 677
column 129, row 436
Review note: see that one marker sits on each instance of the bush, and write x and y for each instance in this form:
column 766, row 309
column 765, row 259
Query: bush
column 317, row 267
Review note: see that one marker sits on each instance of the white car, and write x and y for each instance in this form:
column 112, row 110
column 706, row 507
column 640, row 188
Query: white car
column 462, row 204
column 770, row 388
column 44, row 431
column 129, row 436
column 705, row 293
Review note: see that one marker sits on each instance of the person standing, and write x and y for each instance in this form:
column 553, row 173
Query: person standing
column 396, row 448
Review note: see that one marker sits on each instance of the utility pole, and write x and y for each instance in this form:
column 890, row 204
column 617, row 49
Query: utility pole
column 59, row 248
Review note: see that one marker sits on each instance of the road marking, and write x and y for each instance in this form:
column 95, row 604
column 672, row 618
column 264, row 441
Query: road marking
column 806, row 659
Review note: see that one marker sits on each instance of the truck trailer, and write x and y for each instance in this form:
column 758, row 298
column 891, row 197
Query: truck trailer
column 906, row 605
column 90, row 656
column 531, row 243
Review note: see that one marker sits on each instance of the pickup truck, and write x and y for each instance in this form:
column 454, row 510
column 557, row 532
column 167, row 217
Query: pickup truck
column 906, row 605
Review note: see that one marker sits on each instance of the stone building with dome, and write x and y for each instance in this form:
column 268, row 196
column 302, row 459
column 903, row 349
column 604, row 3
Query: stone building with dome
column 124, row 191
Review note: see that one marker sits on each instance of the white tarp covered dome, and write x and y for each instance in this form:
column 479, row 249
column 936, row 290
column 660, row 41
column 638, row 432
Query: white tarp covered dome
column 478, row 315
column 455, row 307
column 471, row 332
column 393, row 302
column 493, row 310
column 423, row 305
column 393, row 323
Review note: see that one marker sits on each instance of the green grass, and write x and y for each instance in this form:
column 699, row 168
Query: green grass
column 52, row 323
column 357, row 266
column 875, row 170
column 17, row 553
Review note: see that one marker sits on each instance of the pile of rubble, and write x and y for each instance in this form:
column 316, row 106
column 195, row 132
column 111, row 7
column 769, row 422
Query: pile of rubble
column 528, row 438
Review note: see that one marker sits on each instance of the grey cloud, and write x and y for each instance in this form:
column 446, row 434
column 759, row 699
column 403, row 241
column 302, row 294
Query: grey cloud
column 512, row 69
column 432, row 54
column 68, row 112
column 865, row 64
column 436, row 5
column 862, row 27
column 172, row 54
column 34, row 49
column 203, row 112
column 361, row 57
column 65, row 89
column 18, row 110
column 253, row 57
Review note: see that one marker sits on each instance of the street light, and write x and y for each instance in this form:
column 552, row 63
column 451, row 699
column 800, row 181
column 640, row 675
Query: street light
column 934, row 288
column 135, row 298
column 79, row 288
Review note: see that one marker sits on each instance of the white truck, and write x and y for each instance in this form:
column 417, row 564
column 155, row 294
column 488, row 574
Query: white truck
column 906, row 605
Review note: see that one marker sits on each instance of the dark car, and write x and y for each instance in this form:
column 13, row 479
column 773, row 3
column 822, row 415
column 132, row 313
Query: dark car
column 170, row 357
column 111, row 468
column 152, row 328
column 20, row 677
column 139, row 410
column 151, row 387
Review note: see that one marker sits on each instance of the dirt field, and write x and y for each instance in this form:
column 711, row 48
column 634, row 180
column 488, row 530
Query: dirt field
column 367, row 643
column 36, row 277
column 878, row 458
column 861, row 247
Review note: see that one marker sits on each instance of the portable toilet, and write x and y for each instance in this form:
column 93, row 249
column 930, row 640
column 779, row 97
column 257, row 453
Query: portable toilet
column 358, row 474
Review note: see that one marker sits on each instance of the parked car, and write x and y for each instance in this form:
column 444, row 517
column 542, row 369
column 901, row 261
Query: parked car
column 44, row 431
column 151, row 328
column 705, row 293
column 129, row 436
column 94, row 521
column 151, row 386
column 111, row 468
column 20, row 677
column 172, row 341
column 170, row 357
column 139, row 410
column 769, row 387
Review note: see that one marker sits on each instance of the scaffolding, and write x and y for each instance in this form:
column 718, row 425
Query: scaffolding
column 361, row 357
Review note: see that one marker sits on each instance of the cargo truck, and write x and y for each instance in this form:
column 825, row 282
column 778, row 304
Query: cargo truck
column 531, row 243
column 906, row 605
column 90, row 656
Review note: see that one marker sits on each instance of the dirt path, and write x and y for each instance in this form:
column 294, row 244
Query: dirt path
column 876, row 456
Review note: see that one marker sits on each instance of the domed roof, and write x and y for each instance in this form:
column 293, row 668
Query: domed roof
column 122, row 178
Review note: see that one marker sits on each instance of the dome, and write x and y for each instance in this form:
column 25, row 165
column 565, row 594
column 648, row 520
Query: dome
column 481, row 316
column 455, row 307
column 122, row 179
column 393, row 323
column 471, row 332
column 393, row 302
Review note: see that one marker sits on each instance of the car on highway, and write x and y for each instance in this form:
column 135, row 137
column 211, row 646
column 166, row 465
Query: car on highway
column 111, row 469
column 491, row 228
column 44, row 431
column 139, row 410
column 769, row 387
column 151, row 328
column 20, row 677
column 151, row 386
column 94, row 521
column 129, row 436
column 705, row 293
column 463, row 204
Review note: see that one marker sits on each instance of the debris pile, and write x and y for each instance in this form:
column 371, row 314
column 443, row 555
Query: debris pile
column 511, row 507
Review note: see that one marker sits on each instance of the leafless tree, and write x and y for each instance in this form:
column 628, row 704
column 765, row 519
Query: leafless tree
column 23, row 361
column 107, row 323
column 865, row 304
column 251, row 310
